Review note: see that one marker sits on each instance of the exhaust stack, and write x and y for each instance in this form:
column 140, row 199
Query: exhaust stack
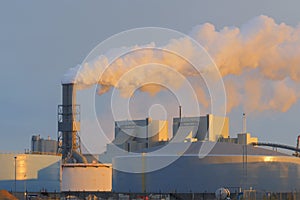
column 69, row 126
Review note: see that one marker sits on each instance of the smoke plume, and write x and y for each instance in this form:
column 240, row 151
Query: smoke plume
column 260, row 64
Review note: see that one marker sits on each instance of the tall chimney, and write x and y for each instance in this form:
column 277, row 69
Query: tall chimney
column 69, row 125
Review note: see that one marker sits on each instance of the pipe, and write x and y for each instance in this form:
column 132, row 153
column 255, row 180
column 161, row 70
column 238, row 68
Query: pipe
column 244, row 123
column 179, row 111
column 276, row 145
column 78, row 157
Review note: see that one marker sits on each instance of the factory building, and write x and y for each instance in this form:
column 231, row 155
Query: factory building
column 199, row 158
column 30, row 172
column 139, row 134
column 203, row 128
column 40, row 145
column 134, row 136
column 202, row 157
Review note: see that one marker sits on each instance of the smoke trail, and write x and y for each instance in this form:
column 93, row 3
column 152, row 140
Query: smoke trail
column 259, row 61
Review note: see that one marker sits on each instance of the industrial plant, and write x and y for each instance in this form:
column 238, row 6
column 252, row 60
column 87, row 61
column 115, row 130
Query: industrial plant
column 199, row 159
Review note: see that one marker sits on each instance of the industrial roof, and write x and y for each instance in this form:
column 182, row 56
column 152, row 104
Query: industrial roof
column 211, row 148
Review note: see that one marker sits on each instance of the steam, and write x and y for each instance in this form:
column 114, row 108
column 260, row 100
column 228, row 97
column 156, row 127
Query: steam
column 259, row 44
column 260, row 63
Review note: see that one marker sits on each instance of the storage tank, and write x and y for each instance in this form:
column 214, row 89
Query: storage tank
column 86, row 177
column 31, row 172
column 226, row 165
column 43, row 146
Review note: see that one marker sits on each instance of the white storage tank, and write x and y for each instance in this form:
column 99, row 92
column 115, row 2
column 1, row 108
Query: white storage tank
column 192, row 170
column 86, row 177
column 31, row 172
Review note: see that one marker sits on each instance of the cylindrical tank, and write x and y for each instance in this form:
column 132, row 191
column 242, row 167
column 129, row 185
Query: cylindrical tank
column 224, row 165
column 86, row 177
column 35, row 140
column 30, row 172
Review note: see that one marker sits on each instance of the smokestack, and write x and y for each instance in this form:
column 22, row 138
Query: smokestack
column 69, row 119
column 69, row 125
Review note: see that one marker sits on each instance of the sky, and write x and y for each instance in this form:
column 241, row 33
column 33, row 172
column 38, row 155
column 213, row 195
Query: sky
column 41, row 40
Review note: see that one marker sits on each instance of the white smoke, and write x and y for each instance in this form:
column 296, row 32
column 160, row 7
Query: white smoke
column 259, row 61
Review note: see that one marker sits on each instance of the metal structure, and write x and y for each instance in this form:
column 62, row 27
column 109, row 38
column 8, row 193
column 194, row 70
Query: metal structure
column 282, row 146
column 69, row 126
column 298, row 143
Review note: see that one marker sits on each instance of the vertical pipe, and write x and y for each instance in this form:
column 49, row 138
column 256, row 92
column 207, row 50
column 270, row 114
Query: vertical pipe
column 143, row 173
column 179, row 111
column 244, row 123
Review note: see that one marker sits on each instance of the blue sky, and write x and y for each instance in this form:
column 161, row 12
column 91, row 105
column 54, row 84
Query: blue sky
column 41, row 40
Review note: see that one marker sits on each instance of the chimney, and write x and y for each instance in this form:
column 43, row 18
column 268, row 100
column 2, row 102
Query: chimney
column 69, row 124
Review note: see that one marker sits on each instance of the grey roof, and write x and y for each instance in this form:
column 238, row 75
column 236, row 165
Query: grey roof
column 215, row 148
column 231, row 148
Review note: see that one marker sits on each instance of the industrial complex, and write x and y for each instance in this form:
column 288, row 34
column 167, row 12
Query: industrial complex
column 197, row 159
